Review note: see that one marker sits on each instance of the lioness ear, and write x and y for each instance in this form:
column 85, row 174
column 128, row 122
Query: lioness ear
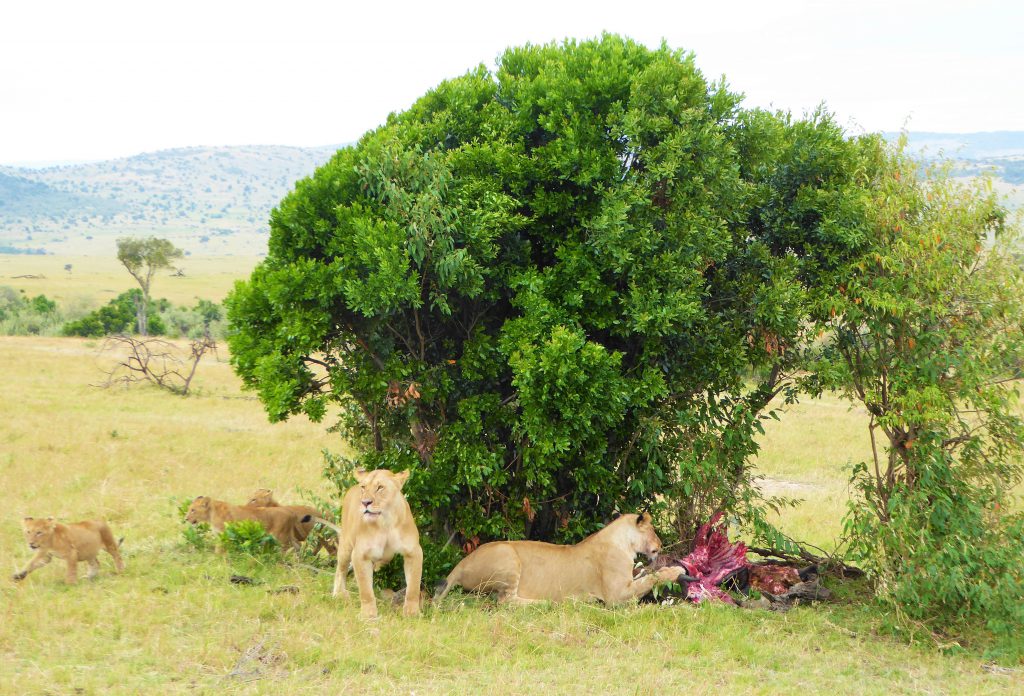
column 400, row 478
column 643, row 518
column 28, row 519
column 360, row 474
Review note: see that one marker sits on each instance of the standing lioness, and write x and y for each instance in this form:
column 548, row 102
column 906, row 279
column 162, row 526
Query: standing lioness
column 599, row 567
column 80, row 541
column 377, row 524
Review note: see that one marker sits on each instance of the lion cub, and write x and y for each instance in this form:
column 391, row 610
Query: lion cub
column 279, row 522
column 264, row 497
column 80, row 541
column 377, row 524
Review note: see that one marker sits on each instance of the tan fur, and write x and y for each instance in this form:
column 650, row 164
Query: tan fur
column 264, row 497
column 73, row 543
column 599, row 567
column 279, row 522
column 377, row 524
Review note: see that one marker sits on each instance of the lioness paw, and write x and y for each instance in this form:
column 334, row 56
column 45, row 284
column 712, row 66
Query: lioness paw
column 19, row 576
column 669, row 573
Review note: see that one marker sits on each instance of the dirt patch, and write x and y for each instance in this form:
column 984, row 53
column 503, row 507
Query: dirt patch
column 775, row 486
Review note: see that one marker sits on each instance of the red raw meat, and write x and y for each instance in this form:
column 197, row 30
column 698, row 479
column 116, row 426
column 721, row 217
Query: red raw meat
column 712, row 560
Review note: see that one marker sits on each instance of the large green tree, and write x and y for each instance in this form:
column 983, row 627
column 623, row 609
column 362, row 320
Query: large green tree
column 561, row 288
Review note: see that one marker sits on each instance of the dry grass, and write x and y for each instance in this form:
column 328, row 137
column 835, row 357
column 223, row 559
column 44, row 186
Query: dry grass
column 174, row 624
column 95, row 280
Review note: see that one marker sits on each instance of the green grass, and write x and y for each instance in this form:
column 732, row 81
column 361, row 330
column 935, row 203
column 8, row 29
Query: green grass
column 173, row 623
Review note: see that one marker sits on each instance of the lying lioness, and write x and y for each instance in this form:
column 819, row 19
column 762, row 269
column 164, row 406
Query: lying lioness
column 279, row 522
column 73, row 543
column 376, row 524
column 599, row 567
column 264, row 497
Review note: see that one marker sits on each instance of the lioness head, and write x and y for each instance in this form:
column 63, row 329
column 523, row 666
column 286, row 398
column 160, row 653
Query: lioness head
column 38, row 532
column 262, row 497
column 642, row 535
column 380, row 491
column 198, row 511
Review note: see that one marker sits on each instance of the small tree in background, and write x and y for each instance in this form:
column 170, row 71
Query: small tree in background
column 143, row 258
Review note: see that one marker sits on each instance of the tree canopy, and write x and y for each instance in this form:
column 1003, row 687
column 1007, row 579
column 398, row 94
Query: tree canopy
column 542, row 286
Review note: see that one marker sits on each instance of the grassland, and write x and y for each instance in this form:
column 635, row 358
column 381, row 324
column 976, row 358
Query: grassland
column 95, row 280
column 173, row 623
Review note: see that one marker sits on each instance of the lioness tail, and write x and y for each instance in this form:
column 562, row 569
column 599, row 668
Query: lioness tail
column 320, row 520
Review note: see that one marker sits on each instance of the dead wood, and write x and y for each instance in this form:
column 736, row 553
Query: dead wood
column 155, row 361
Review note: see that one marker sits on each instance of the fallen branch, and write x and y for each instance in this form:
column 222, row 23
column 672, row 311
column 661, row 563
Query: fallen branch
column 825, row 563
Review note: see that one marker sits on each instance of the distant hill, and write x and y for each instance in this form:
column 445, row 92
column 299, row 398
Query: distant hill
column 967, row 146
column 217, row 200
column 20, row 197
column 208, row 200
column 999, row 152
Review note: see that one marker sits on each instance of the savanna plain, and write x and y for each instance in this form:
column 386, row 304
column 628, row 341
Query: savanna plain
column 174, row 623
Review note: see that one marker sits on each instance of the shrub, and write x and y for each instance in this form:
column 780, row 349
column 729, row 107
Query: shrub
column 21, row 315
column 248, row 537
column 927, row 332
column 117, row 316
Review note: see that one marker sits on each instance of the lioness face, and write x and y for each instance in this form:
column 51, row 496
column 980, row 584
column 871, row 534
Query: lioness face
column 37, row 532
column 198, row 511
column 646, row 540
column 378, row 491
column 262, row 497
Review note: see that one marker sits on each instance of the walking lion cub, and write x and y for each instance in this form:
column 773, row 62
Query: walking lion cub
column 73, row 543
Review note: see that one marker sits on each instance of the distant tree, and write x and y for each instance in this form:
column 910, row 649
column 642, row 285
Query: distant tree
column 67, row 267
column 143, row 258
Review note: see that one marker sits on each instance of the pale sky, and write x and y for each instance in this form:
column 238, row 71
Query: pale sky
column 97, row 79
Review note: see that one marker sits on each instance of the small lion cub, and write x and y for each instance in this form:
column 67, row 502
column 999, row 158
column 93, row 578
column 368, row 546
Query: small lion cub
column 79, row 541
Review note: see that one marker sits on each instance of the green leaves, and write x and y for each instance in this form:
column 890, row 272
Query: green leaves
column 576, row 281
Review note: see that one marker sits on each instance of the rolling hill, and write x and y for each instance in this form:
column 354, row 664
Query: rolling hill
column 208, row 200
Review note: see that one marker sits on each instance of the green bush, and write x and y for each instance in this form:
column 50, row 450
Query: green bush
column 205, row 318
column 926, row 330
column 21, row 315
column 248, row 537
column 117, row 316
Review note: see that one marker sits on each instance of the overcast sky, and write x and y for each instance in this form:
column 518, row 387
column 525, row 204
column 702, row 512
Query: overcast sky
column 97, row 79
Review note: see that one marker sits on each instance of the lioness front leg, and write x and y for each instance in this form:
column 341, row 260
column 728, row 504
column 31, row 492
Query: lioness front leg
column 363, row 570
column 38, row 561
column 412, row 564
column 619, row 591
column 344, row 557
